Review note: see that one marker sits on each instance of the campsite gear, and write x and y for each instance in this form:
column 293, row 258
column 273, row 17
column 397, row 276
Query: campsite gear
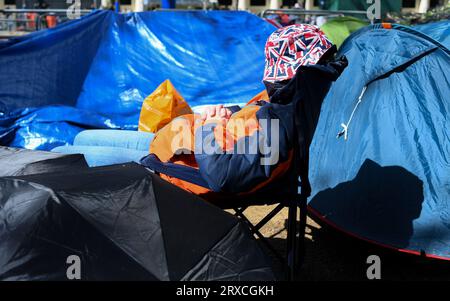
column 388, row 182
column 160, row 107
column 293, row 46
column 106, row 147
column 17, row 162
column 125, row 57
column 440, row 31
column 339, row 28
column 238, row 180
column 231, row 167
column 123, row 223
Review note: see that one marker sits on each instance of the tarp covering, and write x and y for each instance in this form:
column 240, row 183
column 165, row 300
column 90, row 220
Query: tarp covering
column 389, row 181
column 96, row 71
column 124, row 223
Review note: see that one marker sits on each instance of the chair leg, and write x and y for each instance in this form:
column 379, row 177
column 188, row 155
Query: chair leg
column 292, row 251
column 295, row 242
column 256, row 232
column 302, row 229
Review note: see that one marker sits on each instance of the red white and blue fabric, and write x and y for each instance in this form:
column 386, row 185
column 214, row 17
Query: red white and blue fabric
column 293, row 46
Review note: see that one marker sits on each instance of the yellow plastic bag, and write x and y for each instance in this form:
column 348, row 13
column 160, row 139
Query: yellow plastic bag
column 160, row 107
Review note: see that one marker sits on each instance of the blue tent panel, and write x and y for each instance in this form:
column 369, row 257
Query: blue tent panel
column 389, row 181
column 440, row 31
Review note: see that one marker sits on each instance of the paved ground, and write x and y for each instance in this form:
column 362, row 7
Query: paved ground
column 331, row 255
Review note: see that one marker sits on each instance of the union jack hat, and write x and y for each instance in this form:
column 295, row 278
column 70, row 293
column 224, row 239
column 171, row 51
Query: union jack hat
column 293, row 46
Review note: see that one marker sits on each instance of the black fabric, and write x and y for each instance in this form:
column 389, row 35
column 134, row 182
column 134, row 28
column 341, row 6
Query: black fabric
column 215, row 267
column 182, row 172
column 127, row 214
column 89, row 179
column 271, row 88
column 118, row 201
column 38, row 232
column 124, row 222
column 305, row 93
column 180, row 218
column 234, row 109
column 15, row 162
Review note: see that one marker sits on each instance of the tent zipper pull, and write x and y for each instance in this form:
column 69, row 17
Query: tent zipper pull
column 345, row 126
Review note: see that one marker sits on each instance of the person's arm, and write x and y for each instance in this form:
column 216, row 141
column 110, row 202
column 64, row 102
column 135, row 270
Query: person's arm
column 266, row 148
column 237, row 162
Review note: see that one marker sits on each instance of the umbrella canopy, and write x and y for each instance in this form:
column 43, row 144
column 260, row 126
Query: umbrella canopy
column 16, row 162
column 124, row 223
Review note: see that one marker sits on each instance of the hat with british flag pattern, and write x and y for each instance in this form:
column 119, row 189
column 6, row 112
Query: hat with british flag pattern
column 293, row 46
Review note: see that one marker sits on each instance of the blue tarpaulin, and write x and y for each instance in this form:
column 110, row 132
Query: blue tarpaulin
column 389, row 181
column 96, row 71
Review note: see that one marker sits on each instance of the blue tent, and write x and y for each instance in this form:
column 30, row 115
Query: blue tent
column 96, row 71
column 386, row 178
column 440, row 31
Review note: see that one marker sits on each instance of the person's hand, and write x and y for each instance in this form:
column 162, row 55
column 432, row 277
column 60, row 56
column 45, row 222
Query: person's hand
column 217, row 112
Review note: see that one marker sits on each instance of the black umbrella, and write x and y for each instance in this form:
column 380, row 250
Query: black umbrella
column 122, row 222
column 17, row 162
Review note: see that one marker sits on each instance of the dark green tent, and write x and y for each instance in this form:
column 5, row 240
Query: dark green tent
column 386, row 5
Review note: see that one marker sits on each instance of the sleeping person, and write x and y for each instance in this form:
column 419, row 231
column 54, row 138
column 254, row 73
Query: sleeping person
column 237, row 150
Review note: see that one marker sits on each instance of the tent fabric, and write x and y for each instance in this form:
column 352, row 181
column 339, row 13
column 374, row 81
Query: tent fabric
column 388, row 182
column 18, row 162
column 386, row 5
column 440, row 31
column 124, row 223
column 339, row 28
column 96, row 71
